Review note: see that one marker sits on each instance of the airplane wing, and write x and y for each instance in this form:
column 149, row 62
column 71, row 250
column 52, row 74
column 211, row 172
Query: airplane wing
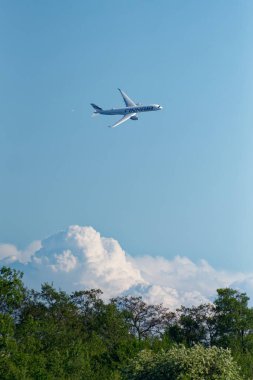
column 127, row 100
column 123, row 119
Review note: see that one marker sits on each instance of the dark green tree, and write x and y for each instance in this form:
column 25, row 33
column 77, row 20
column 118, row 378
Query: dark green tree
column 233, row 323
column 12, row 294
column 233, row 319
column 106, row 331
column 192, row 325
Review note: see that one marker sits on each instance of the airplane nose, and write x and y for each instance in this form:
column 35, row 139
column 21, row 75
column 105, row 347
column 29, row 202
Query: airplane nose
column 160, row 107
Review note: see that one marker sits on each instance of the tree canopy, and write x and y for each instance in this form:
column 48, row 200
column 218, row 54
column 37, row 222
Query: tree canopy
column 181, row 363
column 50, row 334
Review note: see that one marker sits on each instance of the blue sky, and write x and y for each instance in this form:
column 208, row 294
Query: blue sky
column 177, row 182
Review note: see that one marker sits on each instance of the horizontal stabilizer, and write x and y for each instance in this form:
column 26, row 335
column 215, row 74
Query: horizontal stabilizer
column 97, row 108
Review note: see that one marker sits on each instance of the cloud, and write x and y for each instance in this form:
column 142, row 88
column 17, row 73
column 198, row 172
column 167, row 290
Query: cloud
column 80, row 258
column 65, row 262
column 9, row 252
column 180, row 281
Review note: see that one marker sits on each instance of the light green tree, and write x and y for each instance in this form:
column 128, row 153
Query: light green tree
column 181, row 363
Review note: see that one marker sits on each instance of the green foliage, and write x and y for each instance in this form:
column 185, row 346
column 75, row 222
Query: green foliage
column 12, row 294
column 12, row 290
column 233, row 319
column 233, row 327
column 192, row 325
column 181, row 363
column 49, row 334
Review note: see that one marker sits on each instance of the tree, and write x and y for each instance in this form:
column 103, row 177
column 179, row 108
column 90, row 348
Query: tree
column 181, row 363
column 192, row 325
column 233, row 319
column 144, row 320
column 233, row 326
column 49, row 336
column 12, row 293
column 105, row 329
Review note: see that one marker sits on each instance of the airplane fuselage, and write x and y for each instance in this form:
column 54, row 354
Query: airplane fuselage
column 132, row 109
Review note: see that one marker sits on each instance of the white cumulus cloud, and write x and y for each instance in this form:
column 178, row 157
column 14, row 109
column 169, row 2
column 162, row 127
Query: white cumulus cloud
column 65, row 262
column 9, row 252
column 80, row 258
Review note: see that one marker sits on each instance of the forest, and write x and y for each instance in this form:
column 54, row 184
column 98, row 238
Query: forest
column 50, row 334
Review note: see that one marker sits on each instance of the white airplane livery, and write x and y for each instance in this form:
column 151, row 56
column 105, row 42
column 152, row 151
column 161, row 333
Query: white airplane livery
column 129, row 112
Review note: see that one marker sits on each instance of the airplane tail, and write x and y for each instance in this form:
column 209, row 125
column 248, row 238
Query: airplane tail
column 96, row 108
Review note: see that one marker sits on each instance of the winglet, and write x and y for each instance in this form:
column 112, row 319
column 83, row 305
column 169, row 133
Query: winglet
column 121, row 92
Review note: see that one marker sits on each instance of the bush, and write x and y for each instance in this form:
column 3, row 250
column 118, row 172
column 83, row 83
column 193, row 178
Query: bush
column 181, row 363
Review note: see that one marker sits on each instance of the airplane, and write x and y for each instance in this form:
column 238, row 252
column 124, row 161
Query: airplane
column 129, row 112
